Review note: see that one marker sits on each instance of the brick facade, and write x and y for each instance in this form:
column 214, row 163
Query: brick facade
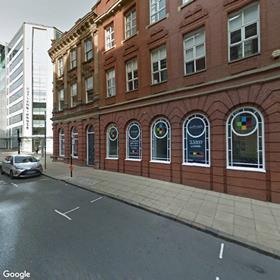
column 215, row 92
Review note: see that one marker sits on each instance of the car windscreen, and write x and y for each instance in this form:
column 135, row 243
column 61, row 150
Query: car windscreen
column 24, row 159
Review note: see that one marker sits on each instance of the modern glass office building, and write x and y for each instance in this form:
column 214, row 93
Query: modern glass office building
column 3, row 110
column 29, row 86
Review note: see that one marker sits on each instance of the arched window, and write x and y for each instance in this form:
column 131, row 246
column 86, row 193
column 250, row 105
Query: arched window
column 74, row 143
column 90, row 129
column 61, row 143
column 196, row 140
column 133, row 141
column 160, row 144
column 245, row 139
column 112, row 142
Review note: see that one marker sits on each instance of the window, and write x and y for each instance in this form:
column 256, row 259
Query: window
column 186, row 1
column 131, row 75
column 133, row 142
column 89, row 89
column 74, row 95
column 60, row 67
column 109, row 37
column 130, row 24
column 74, row 143
column 194, row 52
column 161, row 141
column 73, row 58
column 244, row 33
column 112, row 142
column 157, row 10
column 88, row 49
column 196, row 140
column 159, row 65
column 61, row 143
column 61, row 100
column 111, row 82
column 245, row 140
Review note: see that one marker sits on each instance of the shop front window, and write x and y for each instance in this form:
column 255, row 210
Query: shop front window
column 245, row 139
column 133, row 141
column 196, row 140
column 161, row 141
column 61, row 143
column 74, row 142
column 112, row 142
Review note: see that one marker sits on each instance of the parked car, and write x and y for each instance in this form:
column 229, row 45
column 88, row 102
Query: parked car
column 21, row 166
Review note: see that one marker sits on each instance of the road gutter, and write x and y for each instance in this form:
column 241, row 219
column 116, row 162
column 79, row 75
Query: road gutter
column 216, row 233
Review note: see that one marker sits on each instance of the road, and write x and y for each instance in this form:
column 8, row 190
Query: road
column 57, row 231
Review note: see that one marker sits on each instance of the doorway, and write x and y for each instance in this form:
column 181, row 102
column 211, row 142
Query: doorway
column 90, row 146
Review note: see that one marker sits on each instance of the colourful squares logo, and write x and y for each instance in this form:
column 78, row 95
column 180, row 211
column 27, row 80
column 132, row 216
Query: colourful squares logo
column 244, row 123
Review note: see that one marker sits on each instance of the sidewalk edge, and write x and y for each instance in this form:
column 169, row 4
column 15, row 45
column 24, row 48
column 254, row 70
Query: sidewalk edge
column 216, row 233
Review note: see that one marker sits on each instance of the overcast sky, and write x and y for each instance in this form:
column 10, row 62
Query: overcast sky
column 59, row 13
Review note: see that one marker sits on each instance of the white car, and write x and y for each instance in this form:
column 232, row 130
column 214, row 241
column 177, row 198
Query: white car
column 21, row 166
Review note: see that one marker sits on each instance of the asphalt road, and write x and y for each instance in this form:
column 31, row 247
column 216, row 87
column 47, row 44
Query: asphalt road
column 56, row 231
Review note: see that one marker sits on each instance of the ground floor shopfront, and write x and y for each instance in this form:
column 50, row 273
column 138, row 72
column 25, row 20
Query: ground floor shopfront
column 227, row 141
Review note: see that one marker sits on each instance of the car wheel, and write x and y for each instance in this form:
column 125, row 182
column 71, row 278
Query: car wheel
column 12, row 174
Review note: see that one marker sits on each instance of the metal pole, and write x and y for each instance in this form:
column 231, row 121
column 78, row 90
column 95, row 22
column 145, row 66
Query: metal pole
column 45, row 140
column 18, row 141
column 71, row 166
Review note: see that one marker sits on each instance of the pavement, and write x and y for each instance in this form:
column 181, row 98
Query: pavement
column 55, row 230
column 253, row 223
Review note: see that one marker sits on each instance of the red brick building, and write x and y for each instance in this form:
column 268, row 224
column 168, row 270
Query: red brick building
column 182, row 91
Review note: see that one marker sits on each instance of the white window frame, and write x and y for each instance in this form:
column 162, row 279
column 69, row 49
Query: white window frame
column 73, row 58
column 184, row 2
column 111, row 82
column 156, row 57
column 134, row 123
column 74, row 141
column 155, row 11
column 109, row 37
column 260, row 134
column 88, row 49
column 243, row 26
column 61, row 142
column 60, row 67
column 131, row 67
column 60, row 94
column 130, row 23
column 108, row 156
column 185, row 134
column 88, row 89
column 154, row 160
column 193, row 36
column 72, row 87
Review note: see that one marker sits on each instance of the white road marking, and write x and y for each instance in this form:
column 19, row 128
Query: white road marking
column 15, row 185
column 62, row 214
column 67, row 212
column 217, row 278
column 72, row 210
column 221, row 251
column 96, row 199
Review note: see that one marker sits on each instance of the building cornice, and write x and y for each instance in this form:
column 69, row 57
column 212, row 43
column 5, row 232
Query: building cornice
column 111, row 11
column 81, row 26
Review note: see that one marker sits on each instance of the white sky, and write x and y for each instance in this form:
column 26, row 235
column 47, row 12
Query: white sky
column 59, row 13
